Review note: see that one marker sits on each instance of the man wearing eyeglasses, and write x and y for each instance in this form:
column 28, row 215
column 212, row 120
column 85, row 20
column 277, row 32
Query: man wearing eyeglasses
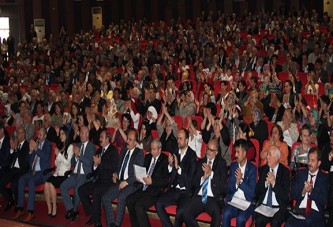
column 209, row 182
column 19, row 164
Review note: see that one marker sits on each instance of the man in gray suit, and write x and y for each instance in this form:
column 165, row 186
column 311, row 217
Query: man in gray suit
column 82, row 160
column 125, row 181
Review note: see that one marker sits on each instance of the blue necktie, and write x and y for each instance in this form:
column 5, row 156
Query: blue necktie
column 124, row 166
column 150, row 172
column 205, row 189
column 270, row 195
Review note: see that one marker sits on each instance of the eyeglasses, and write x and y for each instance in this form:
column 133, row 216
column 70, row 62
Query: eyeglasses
column 210, row 149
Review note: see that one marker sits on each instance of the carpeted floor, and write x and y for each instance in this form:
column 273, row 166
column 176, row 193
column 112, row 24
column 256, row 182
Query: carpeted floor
column 42, row 219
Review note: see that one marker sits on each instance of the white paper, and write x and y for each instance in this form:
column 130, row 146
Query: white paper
column 140, row 172
column 239, row 203
column 266, row 210
column 297, row 216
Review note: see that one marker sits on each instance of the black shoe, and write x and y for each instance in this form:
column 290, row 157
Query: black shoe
column 90, row 222
column 98, row 225
column 112, row 225
column 74, row 216
column 9, row 205
column 69, row 214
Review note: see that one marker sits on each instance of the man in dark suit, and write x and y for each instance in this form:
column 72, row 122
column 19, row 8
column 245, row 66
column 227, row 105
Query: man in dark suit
column 124, row 180
column 181, row 167
column 310, row 191
column 105, row 164
column 82, row 160
column 4, row 148
column 241, row 184
column 273, row 188
column 39, row 160
column 156, row 164
column 19, row 164
column 209, row 183
column 51, row 133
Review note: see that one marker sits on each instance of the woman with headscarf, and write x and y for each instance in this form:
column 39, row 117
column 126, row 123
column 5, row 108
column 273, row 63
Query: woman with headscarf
column 151, row 118
column 258, row 127
column 318, row 131
column 187, row 105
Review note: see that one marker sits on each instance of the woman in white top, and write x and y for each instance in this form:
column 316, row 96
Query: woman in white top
column 290, row 130
column 64, row 154
column 195, row 139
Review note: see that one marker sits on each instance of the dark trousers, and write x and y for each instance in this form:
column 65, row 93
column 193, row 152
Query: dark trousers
column 97, row 190
column 138, row 204
column 172, row 197
column 11, row 176
column 275, row 221
column 313, row 220
column 196, row 207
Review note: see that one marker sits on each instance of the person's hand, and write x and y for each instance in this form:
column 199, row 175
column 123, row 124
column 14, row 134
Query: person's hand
column 238, row 175
column 56, row 151
column 207, row 170
column 189, row 121
column 170, row 160
column 117, row 125
column 176, row 161
column 115, row 177
column 13, row 143
column 148, row 180
column 122, row 185
column 164, row 109
column 76, row 151
column 270, row 179
column 308, row 186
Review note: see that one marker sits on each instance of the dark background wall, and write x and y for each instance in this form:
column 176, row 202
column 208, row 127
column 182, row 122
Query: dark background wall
column 75, row 15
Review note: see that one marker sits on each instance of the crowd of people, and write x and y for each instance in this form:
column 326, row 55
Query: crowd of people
column 201, row 104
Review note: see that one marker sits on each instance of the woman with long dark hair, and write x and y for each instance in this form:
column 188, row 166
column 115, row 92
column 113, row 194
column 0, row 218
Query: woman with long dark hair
column 64, row 154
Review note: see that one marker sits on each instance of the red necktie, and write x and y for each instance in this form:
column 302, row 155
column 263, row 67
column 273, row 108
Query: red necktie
column 309, row 201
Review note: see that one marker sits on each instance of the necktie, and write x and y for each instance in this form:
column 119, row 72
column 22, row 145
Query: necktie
column 103, row 151
column 270, row 195
column 309, row 201
column 150, row 172
column 18, row 147
column 205, row 188
column 124, row 166
column 79, row 166
column 34, row 165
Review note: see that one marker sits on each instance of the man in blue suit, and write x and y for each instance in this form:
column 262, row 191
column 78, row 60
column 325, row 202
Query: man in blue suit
column 82, row 161
column 39, row 160
column 124, row 180
column 310, row 191
column 241, row 184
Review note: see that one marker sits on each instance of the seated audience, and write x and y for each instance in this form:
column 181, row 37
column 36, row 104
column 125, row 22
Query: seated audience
column 310, row 191
column 209, row 182
column 241, row 185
